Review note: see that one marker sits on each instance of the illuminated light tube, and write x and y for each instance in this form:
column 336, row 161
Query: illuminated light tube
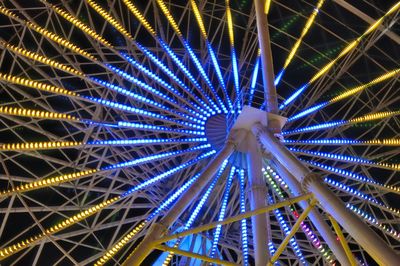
column 71, row 144
column 184, row 69
column 167, row 71
column 372, row 142
column 140, row 83
column 346, row 158
column 345, row 51
column 10, row 250
column 374, row 222
column 296, row 46
column 123, row 31
column 213, row 57
column 357, row 193
column 219, row 74
column 200, row 68
column 46, row 182
column 154, row 157
column 42, row 59
column 139, row 16
column 36, row 85
column 134, row 110
column 151, row 128
column 39, row 145
column 15, row 111
column 286, row 230
column 221, row 216
column 308, row 111
column 254, row 80
column 168, row 173
column 352, row 176
column 243, row 223
column 233, row 52
column 163, row 83
column 272, row 251
column 102, row 12
column 361, row 119
column 127, row 238
column 192, row 55
column 77, row 23
column 350, row 190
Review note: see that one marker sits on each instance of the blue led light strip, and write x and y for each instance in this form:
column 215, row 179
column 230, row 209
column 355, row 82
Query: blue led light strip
column 130, row 109
column 154, row 157
column 167, row 71
column 353, row 176
column 204, row 75
column 148, row 101
column 372, row 142
column 272, row 251
column 236, row 76
column 286, row 229
column 172, row 198
column 308, row 111
column 168, row 173
column 243, row 223
column 374, row 222
column 357, row 193
column 324, row 142
column 130, row 142
column 163, row 83
column 178, row 62
column 218, row 229
column 315, row 127
column 338, row 157
column 254, row 80
column 219, row 74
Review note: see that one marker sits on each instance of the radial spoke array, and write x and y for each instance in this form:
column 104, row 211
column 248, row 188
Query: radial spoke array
column 111, row 112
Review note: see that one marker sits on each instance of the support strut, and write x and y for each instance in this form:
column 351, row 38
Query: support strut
column 257, row 193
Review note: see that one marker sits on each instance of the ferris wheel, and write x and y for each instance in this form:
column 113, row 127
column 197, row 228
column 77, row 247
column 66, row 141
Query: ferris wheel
column 190, row 132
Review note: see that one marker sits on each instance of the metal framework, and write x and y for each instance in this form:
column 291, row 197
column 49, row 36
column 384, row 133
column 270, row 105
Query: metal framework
column 231, row 132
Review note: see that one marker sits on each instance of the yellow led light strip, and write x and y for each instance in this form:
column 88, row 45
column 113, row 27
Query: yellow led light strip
column 354, row 43
column 41, row 59
column 364, row 86
column 36, row 85
column 199, row 18
column 10, row 250
column 139, row 16
column 35, row 113
column 170, row 18
column 386, row 142
column 46, row 182
column 303, row 33
column 171, row 254
column 39, row 145
column 267, row 6
column 102, row 12
column 79, row 24
column 373, row 116
column 120, row 244
column 230, row 23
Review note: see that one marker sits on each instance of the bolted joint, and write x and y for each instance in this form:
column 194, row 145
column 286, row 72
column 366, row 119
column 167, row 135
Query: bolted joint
column 308, row 179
